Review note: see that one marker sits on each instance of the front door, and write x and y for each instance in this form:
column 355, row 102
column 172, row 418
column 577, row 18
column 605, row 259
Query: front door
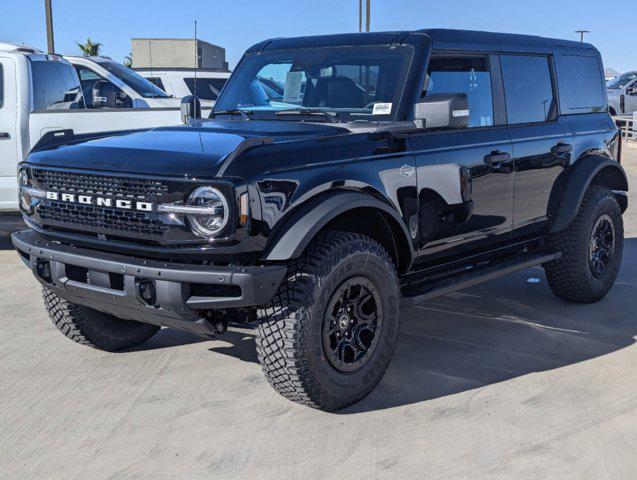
column 630, row 99
column 9, row 150
column 465, row 177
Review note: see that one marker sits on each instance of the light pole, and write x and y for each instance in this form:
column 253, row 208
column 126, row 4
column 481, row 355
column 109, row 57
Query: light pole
column 49, row 26
column 367, row 15
column 581, row 34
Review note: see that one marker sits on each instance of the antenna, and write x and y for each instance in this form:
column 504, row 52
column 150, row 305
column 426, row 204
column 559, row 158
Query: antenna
column 196, row 58
column 150, row 56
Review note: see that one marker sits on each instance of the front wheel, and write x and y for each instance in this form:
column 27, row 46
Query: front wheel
column 591, row 247
column 93, row 328
column 331, row 331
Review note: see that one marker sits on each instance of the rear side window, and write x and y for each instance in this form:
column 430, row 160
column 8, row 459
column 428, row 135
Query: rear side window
column 581, row 83
column 55, row 86
column 528, row 89
column 470, row 75
column 1, row 86
column 207, row 88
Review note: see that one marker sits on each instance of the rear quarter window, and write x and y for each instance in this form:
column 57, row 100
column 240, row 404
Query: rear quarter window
column 581, row 84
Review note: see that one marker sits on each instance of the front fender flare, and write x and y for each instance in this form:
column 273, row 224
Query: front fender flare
column 577, row 180
column 306, row 222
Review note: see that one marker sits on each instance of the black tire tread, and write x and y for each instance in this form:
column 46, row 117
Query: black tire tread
column 279, row 335
column 75, row 322
column 566, row 276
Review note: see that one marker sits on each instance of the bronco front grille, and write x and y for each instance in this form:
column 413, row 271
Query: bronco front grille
column 141, row 188
column 102, row 218
column 92, row 218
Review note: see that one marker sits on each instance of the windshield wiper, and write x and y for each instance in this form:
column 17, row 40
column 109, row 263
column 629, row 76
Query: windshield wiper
column 244, row 113
column 331, row 116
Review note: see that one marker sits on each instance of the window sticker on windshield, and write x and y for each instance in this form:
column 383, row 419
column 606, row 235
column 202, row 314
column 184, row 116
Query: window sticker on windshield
column 381, row 109
column 292, row 92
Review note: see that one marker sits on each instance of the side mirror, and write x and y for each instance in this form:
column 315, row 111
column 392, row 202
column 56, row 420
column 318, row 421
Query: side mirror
column 442, row 110
column 631, row 91
column 103, row 94
column 190, row 107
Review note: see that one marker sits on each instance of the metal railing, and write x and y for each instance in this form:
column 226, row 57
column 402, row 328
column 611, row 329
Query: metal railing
column 627, row 124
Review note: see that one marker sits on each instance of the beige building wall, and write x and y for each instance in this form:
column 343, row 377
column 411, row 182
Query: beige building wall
column 176, row 53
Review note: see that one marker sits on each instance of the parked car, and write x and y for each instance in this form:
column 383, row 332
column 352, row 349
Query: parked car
column 41, row 94
column 181, row 82
column 394, row 168
column 622, row 94
column 131, row 89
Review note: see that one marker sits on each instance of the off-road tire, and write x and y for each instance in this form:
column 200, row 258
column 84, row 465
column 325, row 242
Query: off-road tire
column 93, row 328
column 289, row 341
column 570, row 277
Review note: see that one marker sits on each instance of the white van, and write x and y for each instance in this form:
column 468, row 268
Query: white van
column 41, row 93
column 180, row 82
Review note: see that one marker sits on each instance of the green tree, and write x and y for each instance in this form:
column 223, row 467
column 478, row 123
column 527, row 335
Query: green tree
column 90, row 49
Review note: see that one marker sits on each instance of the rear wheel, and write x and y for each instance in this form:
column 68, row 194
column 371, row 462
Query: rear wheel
column 591, row 247
column 332, row 329
column 93, row 328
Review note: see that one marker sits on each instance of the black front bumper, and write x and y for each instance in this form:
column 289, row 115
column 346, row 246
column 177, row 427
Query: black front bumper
column 111, row 283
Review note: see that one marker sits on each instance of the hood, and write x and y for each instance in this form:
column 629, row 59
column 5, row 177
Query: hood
column 195, row 150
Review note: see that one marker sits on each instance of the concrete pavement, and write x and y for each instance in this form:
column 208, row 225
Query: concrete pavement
column 502, row 381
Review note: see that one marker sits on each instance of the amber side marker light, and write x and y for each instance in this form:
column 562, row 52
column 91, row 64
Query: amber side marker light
column 243, row 209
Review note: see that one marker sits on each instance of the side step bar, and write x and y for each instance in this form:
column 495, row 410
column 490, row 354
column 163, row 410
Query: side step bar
column 414, row 295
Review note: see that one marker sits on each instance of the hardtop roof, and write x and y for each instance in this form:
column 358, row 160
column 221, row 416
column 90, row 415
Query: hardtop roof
column 440, row 38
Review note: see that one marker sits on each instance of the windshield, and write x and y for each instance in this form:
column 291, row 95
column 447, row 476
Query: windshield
column 621, row 81
column 356, row 83
column 138, row 83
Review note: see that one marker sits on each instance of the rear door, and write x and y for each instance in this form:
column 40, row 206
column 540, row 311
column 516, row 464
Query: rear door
column 8, row 133
column 465, row 179
column 542, row 140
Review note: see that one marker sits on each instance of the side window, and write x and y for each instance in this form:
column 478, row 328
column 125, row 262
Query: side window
column 528, row 88
column 1, row 86
column 88, row 78
column 156, row 81
column 55, row 86
column 583, row 87
column 207, row 88
column 461, row 74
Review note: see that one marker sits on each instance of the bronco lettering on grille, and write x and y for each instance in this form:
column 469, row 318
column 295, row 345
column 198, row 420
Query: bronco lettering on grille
column 100, row 201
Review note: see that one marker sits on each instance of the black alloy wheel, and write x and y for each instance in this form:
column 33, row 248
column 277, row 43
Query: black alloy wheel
column 351, row 320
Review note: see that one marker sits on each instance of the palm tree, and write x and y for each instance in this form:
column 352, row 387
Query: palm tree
column 128, row 60
column 89, row 48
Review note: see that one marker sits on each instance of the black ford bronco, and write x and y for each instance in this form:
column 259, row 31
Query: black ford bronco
column 337, row 179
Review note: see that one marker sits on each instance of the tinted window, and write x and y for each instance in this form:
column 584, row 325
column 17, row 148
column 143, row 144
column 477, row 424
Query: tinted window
column 134, row 80
column 621, row 81
column 528, row 89
column 207, row 88
column 468, row 75
column 156, row 81
column 1, row 86
column 88, row 79
column 55, row 86
column 582, row 84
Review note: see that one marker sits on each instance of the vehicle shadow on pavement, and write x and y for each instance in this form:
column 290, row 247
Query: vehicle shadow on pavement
column 501, row 330
column 9, row 223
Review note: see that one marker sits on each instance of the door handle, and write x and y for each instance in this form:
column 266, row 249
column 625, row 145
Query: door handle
column 496, row 158
column 5, row 136
column 562, row 148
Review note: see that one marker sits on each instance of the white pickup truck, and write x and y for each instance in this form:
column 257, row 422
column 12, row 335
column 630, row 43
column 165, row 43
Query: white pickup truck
column 41, row 93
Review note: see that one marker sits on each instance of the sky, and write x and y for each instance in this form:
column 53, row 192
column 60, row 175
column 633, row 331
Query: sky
column 237, row 24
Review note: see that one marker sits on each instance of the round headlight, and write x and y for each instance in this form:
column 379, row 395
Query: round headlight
column 215, row 212
column 25, row 199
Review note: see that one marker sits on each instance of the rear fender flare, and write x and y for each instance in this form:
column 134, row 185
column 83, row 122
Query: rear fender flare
column 571, row 188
